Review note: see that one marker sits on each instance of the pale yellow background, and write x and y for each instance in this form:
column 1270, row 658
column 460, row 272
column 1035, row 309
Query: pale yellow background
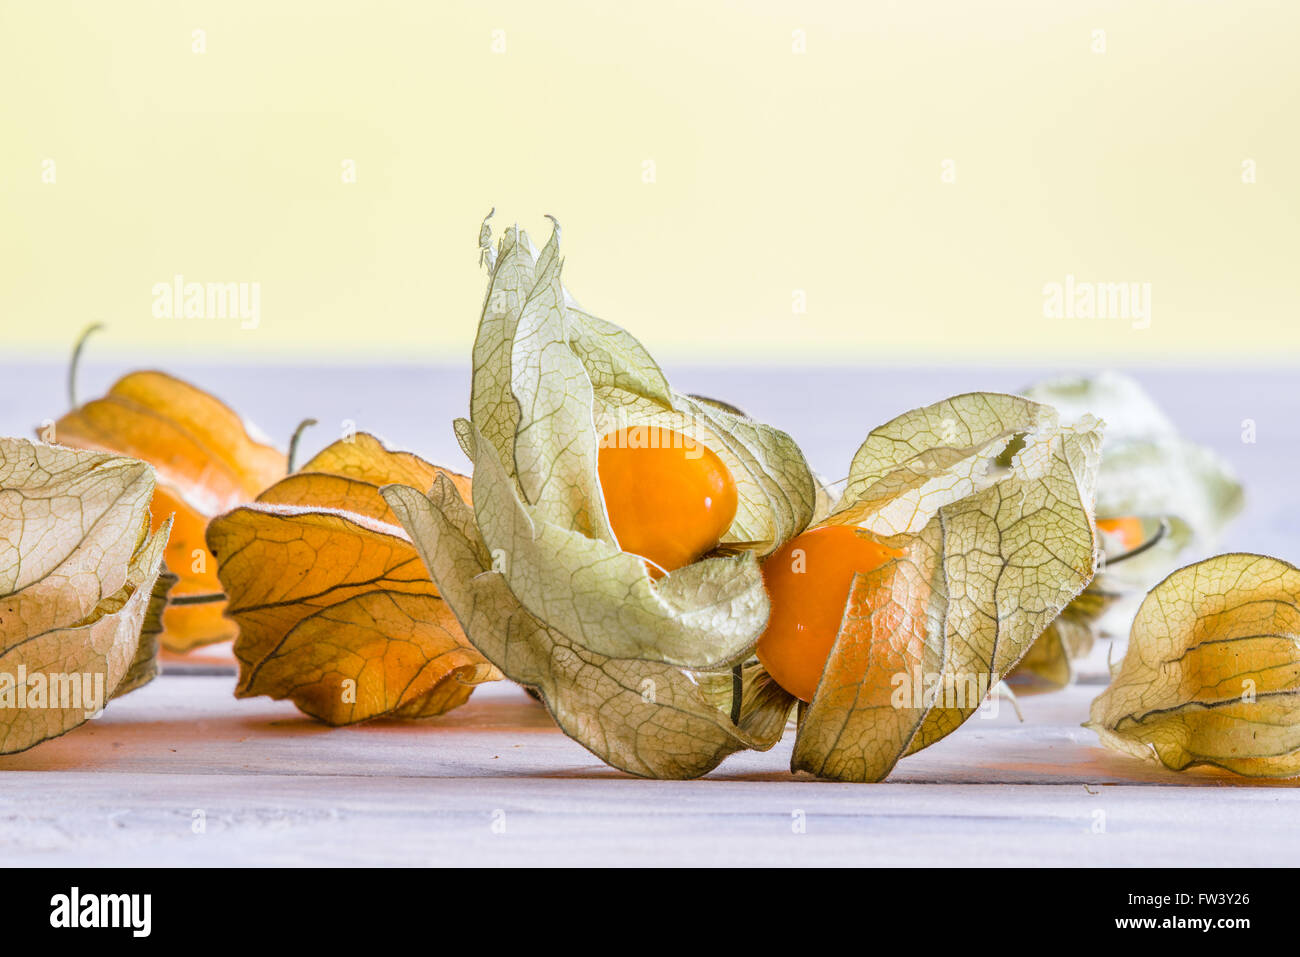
column 775, row 171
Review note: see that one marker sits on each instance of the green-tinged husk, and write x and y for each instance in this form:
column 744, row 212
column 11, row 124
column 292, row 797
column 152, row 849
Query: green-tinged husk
column 1183, row 493
column 991, row 499
column 1212, row 671
column 79, row 593
column 588, row 623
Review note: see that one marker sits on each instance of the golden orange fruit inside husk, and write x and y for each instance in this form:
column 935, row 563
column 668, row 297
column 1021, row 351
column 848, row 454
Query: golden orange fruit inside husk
column 669, row 499
column 1128, row 530
column 808, row 581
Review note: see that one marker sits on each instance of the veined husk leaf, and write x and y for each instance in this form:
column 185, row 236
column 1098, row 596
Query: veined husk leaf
column 549, row 382
column 1049, row 663
column 1148, row 471
column 645, row 717
column 207, row 461
column 705, row 616
column 78, row 569
column 1212, row 671
column 335, row 609
column 990, row 498
column 144, row 667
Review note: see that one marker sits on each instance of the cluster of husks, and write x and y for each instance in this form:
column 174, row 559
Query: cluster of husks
column 642, row 560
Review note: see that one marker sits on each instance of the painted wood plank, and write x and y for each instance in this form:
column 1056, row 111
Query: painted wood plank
column 273, row 787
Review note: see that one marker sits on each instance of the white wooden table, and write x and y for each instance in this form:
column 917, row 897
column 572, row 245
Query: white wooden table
column 273, row 787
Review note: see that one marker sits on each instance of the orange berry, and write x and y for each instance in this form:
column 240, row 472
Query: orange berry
column 185, row 543
column 808, row 581
column 669, row 498
column 1128, row 530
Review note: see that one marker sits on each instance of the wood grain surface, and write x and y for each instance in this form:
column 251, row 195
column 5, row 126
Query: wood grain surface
column 496, row 783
